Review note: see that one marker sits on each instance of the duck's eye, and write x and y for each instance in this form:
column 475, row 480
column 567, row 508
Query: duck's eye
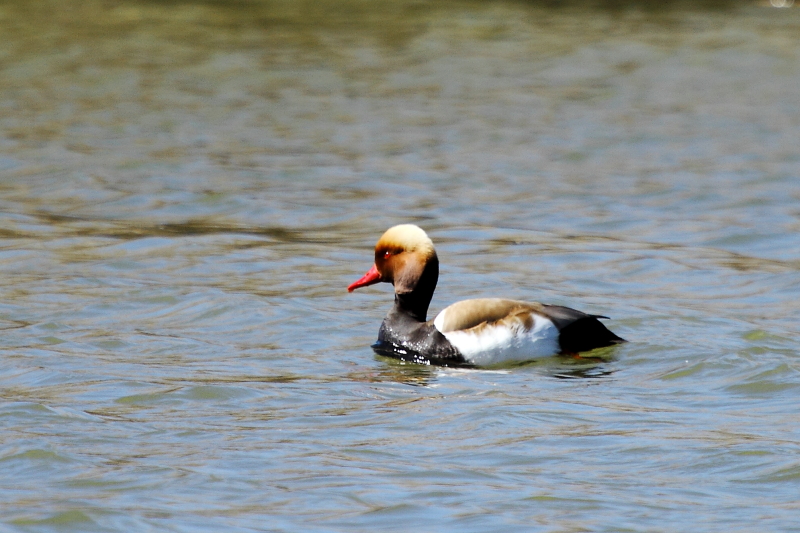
column 387, row 255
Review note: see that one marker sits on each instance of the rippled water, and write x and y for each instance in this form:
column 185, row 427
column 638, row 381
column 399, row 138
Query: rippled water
column 187, row 189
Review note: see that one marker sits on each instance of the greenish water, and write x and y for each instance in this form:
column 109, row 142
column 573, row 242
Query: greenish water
column 186, row 190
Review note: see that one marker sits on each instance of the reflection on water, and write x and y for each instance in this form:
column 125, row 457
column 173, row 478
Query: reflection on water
column 186, row 190
column 397, row 371
column 566, row 367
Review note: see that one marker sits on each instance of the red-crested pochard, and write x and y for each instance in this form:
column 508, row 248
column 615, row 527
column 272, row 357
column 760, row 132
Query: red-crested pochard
column 478, row 332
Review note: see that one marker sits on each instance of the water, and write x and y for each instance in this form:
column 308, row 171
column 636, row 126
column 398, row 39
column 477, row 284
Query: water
column 187, row 189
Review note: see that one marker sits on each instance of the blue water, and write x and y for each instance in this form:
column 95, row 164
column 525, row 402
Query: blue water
column 187, row 190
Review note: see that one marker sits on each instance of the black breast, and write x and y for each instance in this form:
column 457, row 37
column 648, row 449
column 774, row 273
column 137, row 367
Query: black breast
column 416, row 342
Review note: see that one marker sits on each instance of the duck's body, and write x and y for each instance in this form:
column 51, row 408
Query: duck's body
column 478, row 332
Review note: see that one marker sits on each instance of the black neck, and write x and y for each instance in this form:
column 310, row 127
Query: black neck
column 415, row 302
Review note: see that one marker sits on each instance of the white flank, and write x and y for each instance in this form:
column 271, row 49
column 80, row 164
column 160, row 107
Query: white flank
column 492, row 345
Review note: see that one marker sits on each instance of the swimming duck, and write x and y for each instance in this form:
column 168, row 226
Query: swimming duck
column 478, row 332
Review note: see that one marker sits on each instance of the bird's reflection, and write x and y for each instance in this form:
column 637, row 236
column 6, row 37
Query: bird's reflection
column 596, row 366
column 592, row 365
column 592, row 372
column 397, row 371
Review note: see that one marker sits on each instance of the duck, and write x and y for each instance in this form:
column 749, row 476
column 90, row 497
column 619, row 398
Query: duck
column 478, row 332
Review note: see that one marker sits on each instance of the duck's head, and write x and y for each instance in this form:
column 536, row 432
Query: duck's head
column 403, row 256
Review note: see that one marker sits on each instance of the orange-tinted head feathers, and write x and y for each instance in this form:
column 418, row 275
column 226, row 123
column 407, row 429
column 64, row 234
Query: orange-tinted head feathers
column 401, row 255
column 404, row 238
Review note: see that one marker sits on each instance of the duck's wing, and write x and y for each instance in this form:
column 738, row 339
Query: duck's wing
column 468, row 314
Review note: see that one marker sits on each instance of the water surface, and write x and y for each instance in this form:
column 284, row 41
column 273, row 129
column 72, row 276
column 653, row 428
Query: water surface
column 186, row 190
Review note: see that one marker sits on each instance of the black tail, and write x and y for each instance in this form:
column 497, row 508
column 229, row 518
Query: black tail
column 586, row 334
